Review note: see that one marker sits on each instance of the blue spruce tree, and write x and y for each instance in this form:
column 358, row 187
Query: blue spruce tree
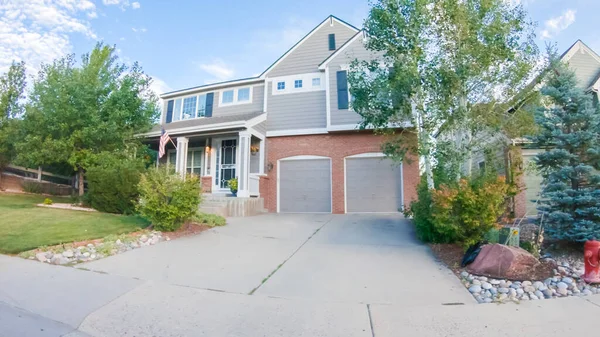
column 570, row 134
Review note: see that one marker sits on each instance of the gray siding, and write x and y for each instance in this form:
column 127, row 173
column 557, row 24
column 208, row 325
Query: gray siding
column 258, row 99
column 226, row 113
column 261, row 127
column 355, row 50
column 305, row 110
column 307, row 57
column 373, row 185
column 255, row 157
column 586, row 68
column 305, row 185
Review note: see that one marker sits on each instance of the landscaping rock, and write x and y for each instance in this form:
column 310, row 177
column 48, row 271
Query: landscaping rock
column 41, row 257
column 68, row 253
column 502, row 261
column 486, row 285
column 475, row 289
column 503, row 290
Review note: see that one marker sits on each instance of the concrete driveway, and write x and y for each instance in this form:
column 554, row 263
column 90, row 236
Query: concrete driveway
column 272, row 275
column 333, row 258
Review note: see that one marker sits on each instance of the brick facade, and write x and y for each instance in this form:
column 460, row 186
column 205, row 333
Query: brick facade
column 336, row 147
column 206, row 184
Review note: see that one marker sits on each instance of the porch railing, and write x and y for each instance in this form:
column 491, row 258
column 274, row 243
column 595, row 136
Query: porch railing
column 254, row 183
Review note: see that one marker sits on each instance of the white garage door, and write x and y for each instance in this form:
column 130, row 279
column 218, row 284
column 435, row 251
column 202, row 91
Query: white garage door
column 373, row 184
column 305, row 185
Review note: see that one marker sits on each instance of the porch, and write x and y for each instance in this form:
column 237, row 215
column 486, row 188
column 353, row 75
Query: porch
column 217, row 158
column 218, row 152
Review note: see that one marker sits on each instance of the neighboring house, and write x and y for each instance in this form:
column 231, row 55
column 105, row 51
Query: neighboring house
column 289, row 134
column 586, row 64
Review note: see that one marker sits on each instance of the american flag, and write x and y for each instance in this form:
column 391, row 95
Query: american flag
column 164, row 139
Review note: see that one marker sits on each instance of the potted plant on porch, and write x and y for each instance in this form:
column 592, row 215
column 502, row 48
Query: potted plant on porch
column 233, row 186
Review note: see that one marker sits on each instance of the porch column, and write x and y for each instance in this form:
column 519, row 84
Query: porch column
column 181, row 156
column 262, row 154
column 244, row 165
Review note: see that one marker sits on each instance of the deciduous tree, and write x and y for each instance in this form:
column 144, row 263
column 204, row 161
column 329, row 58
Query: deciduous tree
column 76, row 112
column 449, row 67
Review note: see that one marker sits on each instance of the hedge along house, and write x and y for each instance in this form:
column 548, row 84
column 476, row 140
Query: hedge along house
column 289, row 135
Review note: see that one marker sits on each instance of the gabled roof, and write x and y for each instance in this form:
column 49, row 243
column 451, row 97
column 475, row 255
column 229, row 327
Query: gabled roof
column 575, row 47
column 331, row 17
column 340, row 49
column 209, row 124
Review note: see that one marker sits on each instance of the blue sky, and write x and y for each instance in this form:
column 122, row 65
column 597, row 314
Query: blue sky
column 186, row 43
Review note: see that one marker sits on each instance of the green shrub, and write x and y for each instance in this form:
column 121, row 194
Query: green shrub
column 463, row 213
column 113, row 185
column 166, row 199
column 211, row 220
column 47, row 201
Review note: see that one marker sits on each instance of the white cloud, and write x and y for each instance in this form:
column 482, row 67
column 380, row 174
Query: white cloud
column 218, row 69
column 123, row 4
column 557, row 24
column 139, row 30
column 159, row 86
column 38, row 31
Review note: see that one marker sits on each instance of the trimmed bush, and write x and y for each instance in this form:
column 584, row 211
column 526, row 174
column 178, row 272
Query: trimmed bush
column 463, row 213
column 167, row 200
column 113, row 185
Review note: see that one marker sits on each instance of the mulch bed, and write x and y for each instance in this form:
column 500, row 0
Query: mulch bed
column 186, row 229
column 451, row 255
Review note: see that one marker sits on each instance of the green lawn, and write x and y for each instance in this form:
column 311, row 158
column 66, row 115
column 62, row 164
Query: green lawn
column 24, row 226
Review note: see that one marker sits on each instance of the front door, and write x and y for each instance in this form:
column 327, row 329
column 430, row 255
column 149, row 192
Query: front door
column 226, row 160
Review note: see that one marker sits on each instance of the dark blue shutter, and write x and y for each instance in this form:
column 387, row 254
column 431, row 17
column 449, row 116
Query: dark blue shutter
column 209, row 104
column 170, row 111
column 342, row 89
column 331, row 41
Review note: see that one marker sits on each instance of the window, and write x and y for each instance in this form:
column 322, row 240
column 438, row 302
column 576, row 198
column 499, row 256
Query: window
column 189, row 107
column 227, row 97
column 201, row 106
column 177, row 110
column 195, row 157
column 280, row 85
column 316, row 82
column 194, row 162
column 331, row 41
column 243, row 94
column 236, row 96
column 298, row 84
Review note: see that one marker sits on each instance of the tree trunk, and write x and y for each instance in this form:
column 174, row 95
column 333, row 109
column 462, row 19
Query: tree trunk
column 80, row 181
column 424, row 145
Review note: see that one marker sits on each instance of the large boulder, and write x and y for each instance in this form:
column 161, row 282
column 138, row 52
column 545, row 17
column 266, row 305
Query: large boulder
column 506, row 262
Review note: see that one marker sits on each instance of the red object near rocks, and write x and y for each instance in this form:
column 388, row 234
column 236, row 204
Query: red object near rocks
column 504, row 262
column 591, row 256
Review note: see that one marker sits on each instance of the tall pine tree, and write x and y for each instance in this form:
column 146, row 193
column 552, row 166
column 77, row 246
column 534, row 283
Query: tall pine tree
column 570, row 134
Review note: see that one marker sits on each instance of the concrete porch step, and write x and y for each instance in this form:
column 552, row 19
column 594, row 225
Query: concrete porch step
column 231, row 206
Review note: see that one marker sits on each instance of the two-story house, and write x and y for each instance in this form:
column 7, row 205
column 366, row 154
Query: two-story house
column 289, row 135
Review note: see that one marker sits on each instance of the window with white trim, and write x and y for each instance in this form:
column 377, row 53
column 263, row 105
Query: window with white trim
column 280, row 85
column 195, row 158
column 201, row 111
column 227, row 97
column 243, row 95
column 316, row 82
column 234, row 96
column 298, row 84
column 189, row 107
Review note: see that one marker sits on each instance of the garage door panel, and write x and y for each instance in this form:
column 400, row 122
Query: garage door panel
column 373, row 185
column 305, row 185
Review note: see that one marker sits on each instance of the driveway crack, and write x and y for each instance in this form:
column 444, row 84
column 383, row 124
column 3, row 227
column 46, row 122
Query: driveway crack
column 289, row 257
column 370, row 320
